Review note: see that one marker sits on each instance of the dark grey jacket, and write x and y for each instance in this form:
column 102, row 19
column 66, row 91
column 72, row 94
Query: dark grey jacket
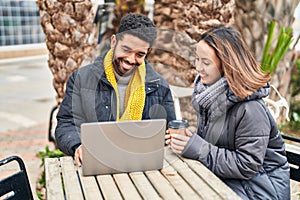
column 90, row 97
column 249, row 156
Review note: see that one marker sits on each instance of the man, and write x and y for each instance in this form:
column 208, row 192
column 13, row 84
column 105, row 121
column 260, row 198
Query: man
column 119, row 85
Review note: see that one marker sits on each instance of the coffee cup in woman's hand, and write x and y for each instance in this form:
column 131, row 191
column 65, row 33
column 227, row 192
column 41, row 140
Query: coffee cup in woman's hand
column 177, row 126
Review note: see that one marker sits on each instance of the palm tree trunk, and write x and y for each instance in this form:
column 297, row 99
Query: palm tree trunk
column 70, row 37
column 120, row 9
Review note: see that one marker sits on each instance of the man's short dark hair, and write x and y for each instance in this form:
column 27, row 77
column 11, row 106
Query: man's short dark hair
column 138, row 25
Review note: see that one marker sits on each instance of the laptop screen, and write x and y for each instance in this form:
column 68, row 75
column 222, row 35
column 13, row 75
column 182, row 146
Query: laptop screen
column 123, row 146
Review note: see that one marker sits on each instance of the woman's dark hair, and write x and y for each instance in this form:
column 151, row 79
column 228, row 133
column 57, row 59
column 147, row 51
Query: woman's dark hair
column 138, row 25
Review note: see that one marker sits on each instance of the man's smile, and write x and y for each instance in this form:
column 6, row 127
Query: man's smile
column 125, row 65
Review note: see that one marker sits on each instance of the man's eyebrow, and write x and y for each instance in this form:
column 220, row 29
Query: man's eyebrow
column 142, row 52
column 127, row 48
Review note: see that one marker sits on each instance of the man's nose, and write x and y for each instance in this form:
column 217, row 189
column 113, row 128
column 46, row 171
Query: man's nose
column 131, row 58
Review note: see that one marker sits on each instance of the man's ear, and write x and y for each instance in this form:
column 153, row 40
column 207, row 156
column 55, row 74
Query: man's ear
column 113, row 41
column 149, row 50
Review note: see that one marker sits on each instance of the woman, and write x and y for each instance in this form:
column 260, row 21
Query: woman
column 237, row 138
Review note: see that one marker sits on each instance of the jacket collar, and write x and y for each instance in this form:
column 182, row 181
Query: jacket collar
column 260, row 93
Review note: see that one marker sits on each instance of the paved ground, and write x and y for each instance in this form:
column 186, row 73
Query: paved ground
column 26, row 92
column 27, row 97
column 25, row 143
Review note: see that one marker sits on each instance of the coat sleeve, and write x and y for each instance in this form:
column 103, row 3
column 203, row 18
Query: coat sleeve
column 251, row 141
column 169, row 105
column 69, row 117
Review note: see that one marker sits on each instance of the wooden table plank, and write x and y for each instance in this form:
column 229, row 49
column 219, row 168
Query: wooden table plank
column 180, row 178
column 180, row 185
column 198, row 184
column 54, row 187
column 71, row 181
column 126, row 186
column 108, row 187
column 218, row 185
column 89, row 186
column 144, row 186
column 161, row 184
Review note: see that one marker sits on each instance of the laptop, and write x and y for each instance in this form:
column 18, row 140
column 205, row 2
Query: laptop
column 123, row 146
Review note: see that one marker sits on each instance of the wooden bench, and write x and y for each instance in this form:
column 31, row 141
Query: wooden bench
column 180, row 178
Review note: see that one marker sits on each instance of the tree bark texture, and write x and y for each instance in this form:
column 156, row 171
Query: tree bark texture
column 180, row 23
column 70, row 37
column 116, row 11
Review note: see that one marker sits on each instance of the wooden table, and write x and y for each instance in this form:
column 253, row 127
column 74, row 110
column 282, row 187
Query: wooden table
column 180, row 178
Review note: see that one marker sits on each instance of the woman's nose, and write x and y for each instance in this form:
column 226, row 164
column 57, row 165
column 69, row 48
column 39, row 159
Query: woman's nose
column 199, row 68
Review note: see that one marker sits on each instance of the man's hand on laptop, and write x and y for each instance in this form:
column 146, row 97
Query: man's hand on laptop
column 78, row 155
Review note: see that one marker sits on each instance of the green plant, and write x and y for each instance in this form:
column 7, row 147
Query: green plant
column 46, row 154
column 49, row 154
column 296, row 78
column 292, row 127
column 271, row 57
column 294, row 124
column 39, row 195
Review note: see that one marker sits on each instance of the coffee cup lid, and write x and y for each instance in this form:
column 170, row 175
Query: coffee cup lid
column 177, row 124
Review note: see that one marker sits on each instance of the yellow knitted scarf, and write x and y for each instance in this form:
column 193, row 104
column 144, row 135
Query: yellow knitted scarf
column 135, row 92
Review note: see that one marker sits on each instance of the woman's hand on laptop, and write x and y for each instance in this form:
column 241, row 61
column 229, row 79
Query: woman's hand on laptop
column 78, row 155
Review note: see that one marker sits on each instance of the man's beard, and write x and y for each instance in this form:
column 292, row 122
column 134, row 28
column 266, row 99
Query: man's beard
column 119, row 70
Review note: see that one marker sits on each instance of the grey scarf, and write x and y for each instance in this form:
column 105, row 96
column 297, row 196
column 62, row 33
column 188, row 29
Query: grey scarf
column 211, row 103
